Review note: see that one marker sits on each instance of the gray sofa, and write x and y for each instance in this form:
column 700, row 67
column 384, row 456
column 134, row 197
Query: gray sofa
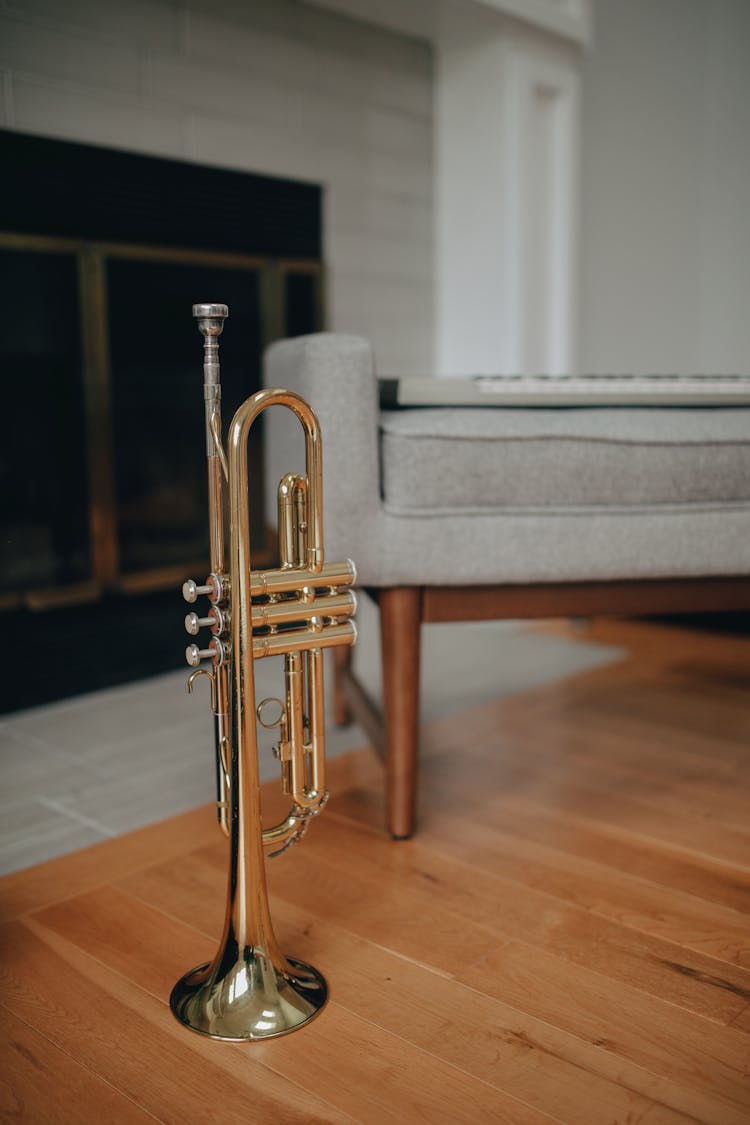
column 469, row 513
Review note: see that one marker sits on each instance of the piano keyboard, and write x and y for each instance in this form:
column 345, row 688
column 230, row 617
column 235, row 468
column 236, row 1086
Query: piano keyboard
column 567, row 390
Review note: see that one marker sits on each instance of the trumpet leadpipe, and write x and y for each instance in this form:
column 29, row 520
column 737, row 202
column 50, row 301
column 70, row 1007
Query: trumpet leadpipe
column 304, row 640
column 296, row 609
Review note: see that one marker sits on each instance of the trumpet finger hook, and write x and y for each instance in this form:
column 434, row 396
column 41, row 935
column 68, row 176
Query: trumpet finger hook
column 203, row 672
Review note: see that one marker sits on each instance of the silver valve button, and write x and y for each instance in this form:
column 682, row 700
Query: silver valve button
column 215, row 652
column 194, row 654
column 216, row 587
column 217, row 620
column 191, row 591
column 194, row 623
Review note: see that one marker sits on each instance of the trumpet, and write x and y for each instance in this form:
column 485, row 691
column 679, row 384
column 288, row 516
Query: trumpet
column 251, row 990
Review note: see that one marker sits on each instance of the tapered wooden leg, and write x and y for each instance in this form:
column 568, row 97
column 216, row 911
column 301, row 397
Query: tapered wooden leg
column 400, row 622
column 342, row 661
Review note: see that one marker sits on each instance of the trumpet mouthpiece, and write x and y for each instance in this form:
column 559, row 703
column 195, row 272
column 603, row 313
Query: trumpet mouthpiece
column 210, row 312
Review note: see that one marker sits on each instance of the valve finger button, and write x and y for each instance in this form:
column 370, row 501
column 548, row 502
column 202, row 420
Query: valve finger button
column 191, row 591
column 216, row 620
column 215, row 652
column 194, row 623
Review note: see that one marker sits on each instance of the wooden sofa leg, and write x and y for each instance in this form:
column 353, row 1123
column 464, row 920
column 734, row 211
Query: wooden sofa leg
column 400, row 621
column 342, row 662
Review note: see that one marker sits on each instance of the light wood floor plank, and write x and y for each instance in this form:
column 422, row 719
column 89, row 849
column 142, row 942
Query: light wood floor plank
column 494, row 1041
column 130, row 1039
column 498, row 758
column 416, row 905
column 567, row 939
column 583, row 837
column 382, row 1076
column 480, row 914
column 715, row 932
column 707, row 1065
column 42, row 1083
column 626, row 755
column 70, row 874
column 584, row 931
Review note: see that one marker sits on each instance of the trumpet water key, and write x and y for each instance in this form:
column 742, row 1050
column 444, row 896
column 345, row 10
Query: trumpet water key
column 250, row 990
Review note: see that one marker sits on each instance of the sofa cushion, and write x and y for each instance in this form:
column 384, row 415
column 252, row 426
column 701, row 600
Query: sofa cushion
column 429, row 543
column 463, row 460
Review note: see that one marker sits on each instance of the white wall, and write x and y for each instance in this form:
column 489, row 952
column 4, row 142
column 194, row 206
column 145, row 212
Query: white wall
column 665, row 272
column 507, row 136
column 268, row 86
column 281, row 87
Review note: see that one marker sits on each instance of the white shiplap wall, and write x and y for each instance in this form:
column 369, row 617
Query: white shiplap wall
column 269, row 86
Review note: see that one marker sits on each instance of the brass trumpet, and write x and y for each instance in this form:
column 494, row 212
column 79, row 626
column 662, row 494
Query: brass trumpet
column 251, row 990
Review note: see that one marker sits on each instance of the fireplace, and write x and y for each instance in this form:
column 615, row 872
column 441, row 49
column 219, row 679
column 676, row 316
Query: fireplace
column 102, row 254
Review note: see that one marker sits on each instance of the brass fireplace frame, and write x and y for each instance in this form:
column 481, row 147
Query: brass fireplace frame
column 92, row 257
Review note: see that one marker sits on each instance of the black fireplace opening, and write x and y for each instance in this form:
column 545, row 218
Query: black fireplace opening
column 102, row 473
column 158, row 432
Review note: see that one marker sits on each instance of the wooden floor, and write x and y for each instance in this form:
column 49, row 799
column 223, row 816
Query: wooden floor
column 567, row 938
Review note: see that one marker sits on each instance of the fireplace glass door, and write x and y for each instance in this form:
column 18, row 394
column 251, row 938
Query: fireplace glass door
column 157, row 401
column 45, row 536
column 103, row 468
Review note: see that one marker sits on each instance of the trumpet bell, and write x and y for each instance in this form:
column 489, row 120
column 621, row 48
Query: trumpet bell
column 246, row 996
